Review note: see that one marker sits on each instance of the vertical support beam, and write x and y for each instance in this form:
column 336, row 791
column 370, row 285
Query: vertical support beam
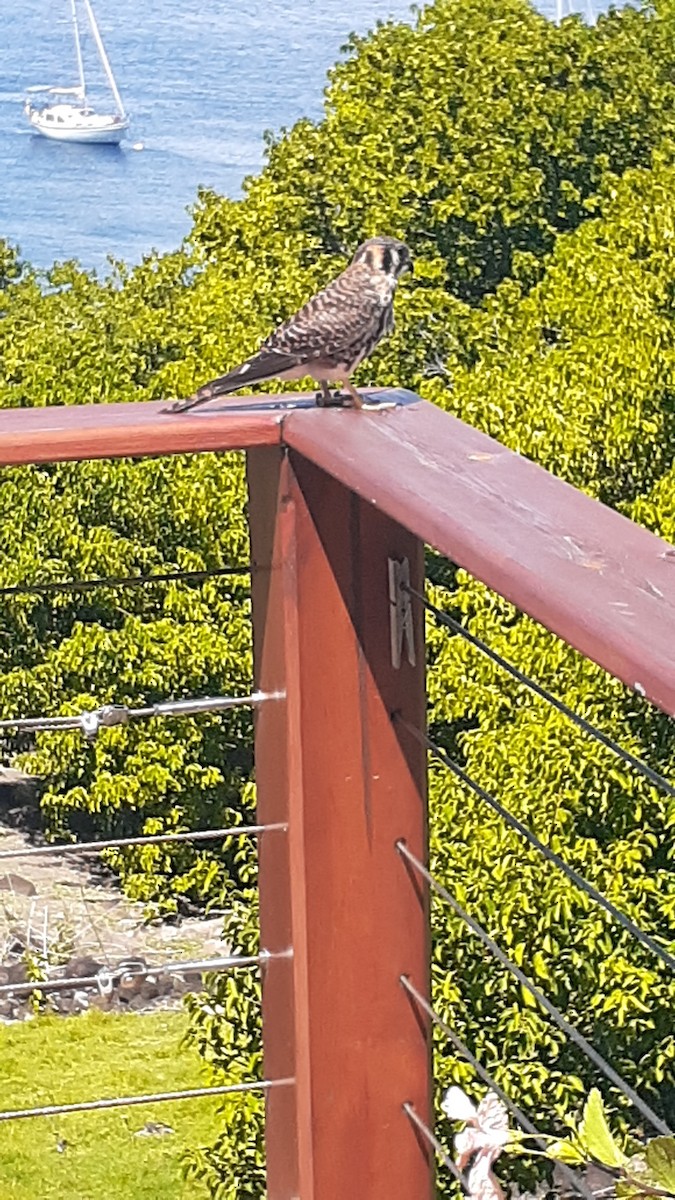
column 278, row 780
column 350, row 783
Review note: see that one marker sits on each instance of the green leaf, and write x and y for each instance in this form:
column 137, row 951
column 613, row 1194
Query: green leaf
column 660, row 1156
column 596, row 1136
column 567, row 1152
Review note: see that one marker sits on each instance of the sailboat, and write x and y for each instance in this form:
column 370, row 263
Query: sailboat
column 74, row 120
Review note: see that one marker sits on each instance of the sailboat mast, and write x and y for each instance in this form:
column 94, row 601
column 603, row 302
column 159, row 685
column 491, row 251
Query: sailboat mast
column 104, row 57
column 78, row 49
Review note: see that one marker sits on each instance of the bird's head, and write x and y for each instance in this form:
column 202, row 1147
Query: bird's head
column 386, row 255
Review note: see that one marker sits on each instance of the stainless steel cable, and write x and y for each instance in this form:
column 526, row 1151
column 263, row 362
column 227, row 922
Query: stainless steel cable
column 639, row 934
column 491, row 1082
column 626, row 755
column 433, row 1141
column 58, row 1110
column 91, row 723
column 466, row 1053
column 108, row 976
column 50, row 588
column 570, row 1030
column 155, row 839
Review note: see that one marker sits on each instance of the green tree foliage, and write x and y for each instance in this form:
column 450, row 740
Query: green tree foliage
column 641, row 1169
column 73, row 651
column 578, row 375
column 529, row 166
column 226, row 1028
column 481, row 133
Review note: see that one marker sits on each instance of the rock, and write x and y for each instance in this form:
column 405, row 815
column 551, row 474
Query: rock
column 154, row 1129
column 182, row 984
column 102, row 1002
column 194, row 981
column 61, row 1002
column 81, row 966
column 13, row 776
column 149, row 988
column 17, row 973
column 9, row 882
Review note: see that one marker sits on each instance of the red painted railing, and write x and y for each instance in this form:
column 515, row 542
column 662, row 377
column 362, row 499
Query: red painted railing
column 337, row 499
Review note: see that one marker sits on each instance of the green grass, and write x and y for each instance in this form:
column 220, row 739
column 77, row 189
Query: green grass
column 61, row 1060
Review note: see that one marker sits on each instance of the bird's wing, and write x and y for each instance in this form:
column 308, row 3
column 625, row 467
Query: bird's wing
column 266, row 364
column 332, row 324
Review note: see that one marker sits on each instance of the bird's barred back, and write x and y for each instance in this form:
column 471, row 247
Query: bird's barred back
column 341, row 323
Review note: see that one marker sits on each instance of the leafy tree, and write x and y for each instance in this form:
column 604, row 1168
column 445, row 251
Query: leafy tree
column 73, row 651
column 529, row 166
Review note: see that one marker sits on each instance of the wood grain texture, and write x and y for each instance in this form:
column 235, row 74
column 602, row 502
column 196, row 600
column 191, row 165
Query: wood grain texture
column 280, row 856
column 599, row 581
column 364, row 787
column 330, row 760
column 75, row 432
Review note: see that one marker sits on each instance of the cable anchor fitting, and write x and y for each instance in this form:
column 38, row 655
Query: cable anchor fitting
column 102, row 718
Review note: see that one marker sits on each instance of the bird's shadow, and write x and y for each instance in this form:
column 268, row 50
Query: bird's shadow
column 292, row 405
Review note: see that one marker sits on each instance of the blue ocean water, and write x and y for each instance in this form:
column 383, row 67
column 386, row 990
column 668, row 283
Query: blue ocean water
column 202, row 80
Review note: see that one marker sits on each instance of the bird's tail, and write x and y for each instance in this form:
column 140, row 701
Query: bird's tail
column 261, row 367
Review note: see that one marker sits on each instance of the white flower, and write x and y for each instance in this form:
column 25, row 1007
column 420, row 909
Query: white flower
column 457, row 1106
column 481, row 1142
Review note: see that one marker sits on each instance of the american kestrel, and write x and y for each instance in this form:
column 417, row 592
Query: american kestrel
column 331, row 334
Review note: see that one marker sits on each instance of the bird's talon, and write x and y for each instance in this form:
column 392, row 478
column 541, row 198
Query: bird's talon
column 332, row 400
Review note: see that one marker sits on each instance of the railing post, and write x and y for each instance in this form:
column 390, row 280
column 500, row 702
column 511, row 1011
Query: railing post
column 330, row 761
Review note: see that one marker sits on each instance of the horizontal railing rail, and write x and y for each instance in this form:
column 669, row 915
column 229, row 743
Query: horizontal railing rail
column 597, row 580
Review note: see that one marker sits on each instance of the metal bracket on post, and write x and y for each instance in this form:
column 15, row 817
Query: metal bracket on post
column 400, row 612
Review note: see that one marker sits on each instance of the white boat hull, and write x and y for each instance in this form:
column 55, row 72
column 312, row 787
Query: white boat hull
column 62, row 123
column 66, row 119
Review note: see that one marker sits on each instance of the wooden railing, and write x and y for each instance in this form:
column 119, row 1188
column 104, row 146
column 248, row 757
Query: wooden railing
column 339, row 501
